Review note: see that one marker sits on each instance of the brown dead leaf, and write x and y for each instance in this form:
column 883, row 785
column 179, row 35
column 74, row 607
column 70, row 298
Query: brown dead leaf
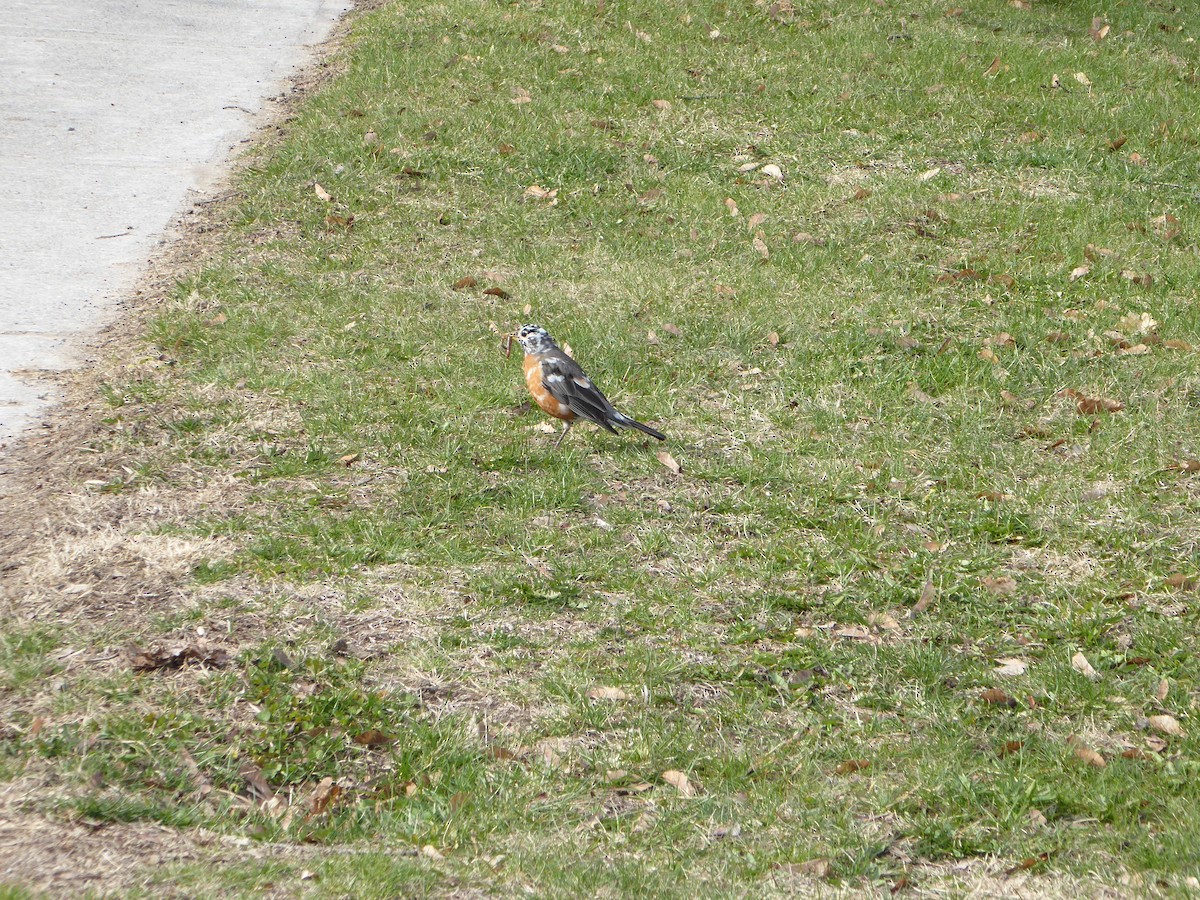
column 1010, row 747
column 997, row 697
column 321, row 193
column 755, row 220
column 928, row 595
column 1030, row 861
column 520, row 95
column 661, row 105
column 993, row 497
column 465, row 282
column 679, row 781
column 850, row 766
column 1137, row 159
column 1090, row 406
column 773, row 338
column 993, row 68
column 325, row 796
column 339, row 221
column 1005, row 281
column 1012, row 401
column 1160, row 692
column 1117, row 143
column 672, row 330
column 1099, row 29
column 772, row 171
column 962, row 275
column 669, row 462
column 1009, row 667
column 1080, row 664
column 158, row 658
column 803, row 237
column 499, row 293
column 606, row 693
column 1177, row 344
column 651, row 196
column 349, row 459
column 1090, row 756
column 1167, row 725
column 820, row 867
column 1002, row 339
column 761, row 247
column 373, row 738
column 731, row 205
column 1138, row 278
column 537, row 192
column 862, row 193
column 1079, row 271
column 256, row 783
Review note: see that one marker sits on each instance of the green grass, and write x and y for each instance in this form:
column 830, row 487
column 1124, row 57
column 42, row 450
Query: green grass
column 854, row 415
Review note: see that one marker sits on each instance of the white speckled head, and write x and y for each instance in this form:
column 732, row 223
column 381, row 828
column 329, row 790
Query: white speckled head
column 535, row 339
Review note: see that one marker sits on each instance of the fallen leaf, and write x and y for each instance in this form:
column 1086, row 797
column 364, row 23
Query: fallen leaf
column 997, row 697
column 1030, row 861
column 928, row 595
column 803, row 237
column 1167, row 725
column 1090, row 756
column 1160, row 692
column 431, row 852
column 761, row 246
column 850, row 766
column 339, row 221
column 1002, row 339
column 930, row 174
column 651, row 196
column 672, row 330
column 218, row 319
column 373, row 738
column 1177, row 344
column 1083, row 79
column 1012, row 400
column 1137, row 159
column 1137, row 323
column 465, row 282
column 1080, row 664
column 1079, row 271
column 606, row 693
column 1089, row 406
column 960, row 275
column 1010, row 668
column 679, row 781
column 773, row 338
column 158, row 658
column 537, row 192
column 321, row 193
column 499, row 293
column 820, row 867
column 325, row 795
column 993, row 497
column 669, row 461
column 1137, row 278
column 349, row 459
column 256, row 783
column 1099, row 29
column 731, row 205
column 772, row 171
column 1010, row 747
column 661, row 105
column 520, row 95
column 755, row 220
column 1117, row 143
column 862, row 193
column 994, row 67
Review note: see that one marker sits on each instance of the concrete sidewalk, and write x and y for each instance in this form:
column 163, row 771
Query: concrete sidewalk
column 112, row 112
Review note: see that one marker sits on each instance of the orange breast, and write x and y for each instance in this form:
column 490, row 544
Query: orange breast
column 541, row 396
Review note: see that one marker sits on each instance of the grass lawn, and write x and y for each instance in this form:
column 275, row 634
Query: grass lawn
column 910, row 286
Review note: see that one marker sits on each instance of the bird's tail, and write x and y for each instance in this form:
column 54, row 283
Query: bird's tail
column 624, row 420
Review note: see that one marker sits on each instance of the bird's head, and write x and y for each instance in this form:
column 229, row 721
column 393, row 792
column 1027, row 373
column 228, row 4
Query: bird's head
column 535, row 339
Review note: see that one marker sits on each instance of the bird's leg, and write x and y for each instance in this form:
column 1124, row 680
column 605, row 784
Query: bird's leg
column 566, row 428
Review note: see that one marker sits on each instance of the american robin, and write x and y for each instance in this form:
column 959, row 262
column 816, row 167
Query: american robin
column 562, row 390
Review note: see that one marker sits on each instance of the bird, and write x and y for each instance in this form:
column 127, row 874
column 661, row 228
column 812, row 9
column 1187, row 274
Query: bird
column 562, row 390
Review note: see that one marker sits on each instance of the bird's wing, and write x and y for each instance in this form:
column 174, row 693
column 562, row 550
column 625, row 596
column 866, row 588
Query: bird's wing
column 567, row 384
